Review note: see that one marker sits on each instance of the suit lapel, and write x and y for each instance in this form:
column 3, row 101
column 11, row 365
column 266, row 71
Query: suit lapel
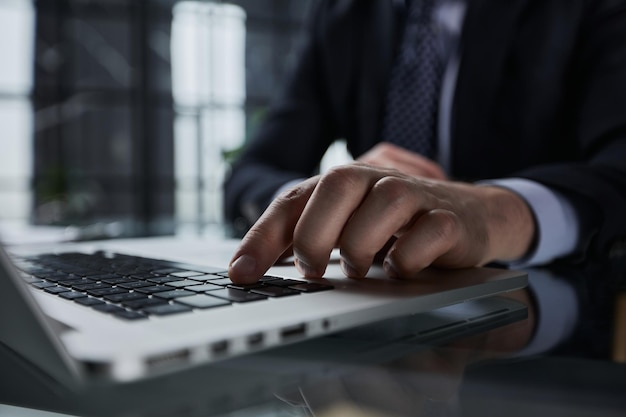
column 488, row 32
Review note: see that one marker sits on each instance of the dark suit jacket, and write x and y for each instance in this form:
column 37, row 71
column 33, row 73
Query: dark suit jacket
column 541, row 94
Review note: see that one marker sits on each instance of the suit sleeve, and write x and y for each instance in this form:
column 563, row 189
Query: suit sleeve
column 597, row 185
column 292, row 139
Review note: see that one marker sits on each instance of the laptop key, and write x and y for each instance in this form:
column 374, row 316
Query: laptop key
column 203, row 278
column 204, row 287
column 153, row 289
column 100, row 292
column 275, row 291
column 165, row 309
column 70, row 282
column 183, row 283
column 177, row 293
column 88, row 301
column 285, row 282
column 56, row 290
column 210, row 277
column 245, row 287
column 43, row 284
column 143, row 275
column 72, row 295
column 59, row 277
column 141, row 303
column 267, row 278
column 127, row 296
column 102, row 277
column 202, row 301
column 167, row 270
column 130, row 315
column 132, row 284
column 108, row 308
column 221, row 281
column 87, row 285
column 236, row 296
column 311, row 287
column 186, row 274
column 117, row 280
column 163, row 280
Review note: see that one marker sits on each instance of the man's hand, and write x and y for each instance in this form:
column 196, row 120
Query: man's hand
column 387, row 155
column 359, row 208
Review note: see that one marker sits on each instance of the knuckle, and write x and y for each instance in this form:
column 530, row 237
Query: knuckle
column 393, row 189
column 384, row 149
column 447, row 223
column 291, row 194
column 340, row 179
column 405, row 261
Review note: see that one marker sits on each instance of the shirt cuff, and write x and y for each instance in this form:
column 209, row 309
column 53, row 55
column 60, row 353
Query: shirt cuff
column 556, row 220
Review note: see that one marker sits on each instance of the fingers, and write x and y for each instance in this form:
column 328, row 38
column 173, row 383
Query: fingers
column 436, row 236
column 271, row 235
column 360, row 209
column 334, row 201
column 311, row 218
column 391, row 205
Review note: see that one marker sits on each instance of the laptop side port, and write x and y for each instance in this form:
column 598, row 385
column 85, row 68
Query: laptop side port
column 219, row 348
column 169, row 359
column 256, row 340
column 293, row 332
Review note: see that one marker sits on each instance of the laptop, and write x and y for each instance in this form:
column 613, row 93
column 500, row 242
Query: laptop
column 91, row 313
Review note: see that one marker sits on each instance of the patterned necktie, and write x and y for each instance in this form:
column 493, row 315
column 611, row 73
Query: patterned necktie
column 413, row 96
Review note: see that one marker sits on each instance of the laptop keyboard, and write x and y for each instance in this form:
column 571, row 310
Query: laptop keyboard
column 135, row 288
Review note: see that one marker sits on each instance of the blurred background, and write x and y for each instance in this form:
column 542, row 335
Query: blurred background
column 118, row 118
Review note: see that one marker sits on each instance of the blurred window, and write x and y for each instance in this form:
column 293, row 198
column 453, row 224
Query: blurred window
column 209, row 89
column 16, row 82
column 120, row 117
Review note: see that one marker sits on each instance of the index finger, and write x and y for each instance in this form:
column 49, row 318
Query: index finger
column 271, row 235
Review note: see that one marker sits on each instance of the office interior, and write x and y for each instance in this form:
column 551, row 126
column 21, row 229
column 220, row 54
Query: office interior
column 119, row 119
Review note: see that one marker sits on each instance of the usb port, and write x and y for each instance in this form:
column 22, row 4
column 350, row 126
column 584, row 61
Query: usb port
column 255, row 340
column 219, row 348
column 293, row 332
column 168, row 359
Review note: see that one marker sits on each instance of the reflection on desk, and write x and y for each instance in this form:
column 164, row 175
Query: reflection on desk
column 556, row 362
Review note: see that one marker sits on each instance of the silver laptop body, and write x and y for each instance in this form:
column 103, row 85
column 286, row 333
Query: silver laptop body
column 76, row 345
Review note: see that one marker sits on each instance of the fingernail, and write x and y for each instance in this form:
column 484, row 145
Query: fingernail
column 244, row 266
column 389, row 269
column 305, row 269
column 348, row 269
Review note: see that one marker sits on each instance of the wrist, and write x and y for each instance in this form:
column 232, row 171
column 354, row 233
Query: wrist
column 510, row 224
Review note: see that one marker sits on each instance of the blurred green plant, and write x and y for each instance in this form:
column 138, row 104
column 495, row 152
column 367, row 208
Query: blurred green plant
column 253, row 123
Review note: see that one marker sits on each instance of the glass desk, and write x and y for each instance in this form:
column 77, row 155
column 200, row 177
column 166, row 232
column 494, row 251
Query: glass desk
column 556, row 362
